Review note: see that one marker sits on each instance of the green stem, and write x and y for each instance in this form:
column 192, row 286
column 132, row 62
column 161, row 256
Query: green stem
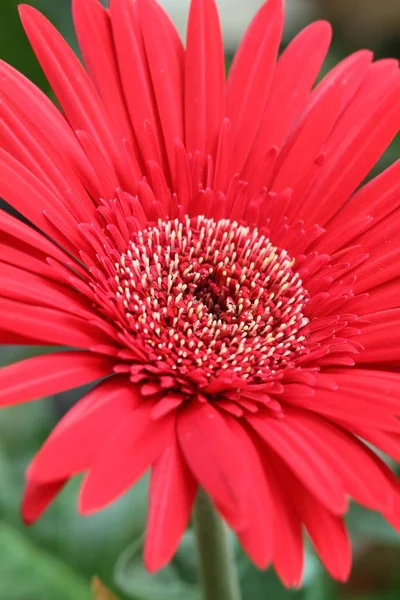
column 216, row 563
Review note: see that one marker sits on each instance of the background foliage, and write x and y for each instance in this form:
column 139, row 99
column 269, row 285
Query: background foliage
column 56, row 558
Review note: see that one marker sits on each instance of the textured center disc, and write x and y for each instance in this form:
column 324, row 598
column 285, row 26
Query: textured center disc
column 212, row 295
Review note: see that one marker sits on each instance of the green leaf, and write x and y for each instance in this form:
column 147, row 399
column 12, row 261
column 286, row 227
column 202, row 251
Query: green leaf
column 93, row 543
column 133, row 579
column 88, row 544
column 27, row 571
column 365, row 525
column 263, row 585
column 24, row 427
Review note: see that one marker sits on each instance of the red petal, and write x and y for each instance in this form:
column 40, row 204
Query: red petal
column 377, row 198
column 84, row 431
column 294, row 76
column 327, row 532
column 288, row 555
column 218, row 465
column 306, row 141
column 251, row 75
column 37, row 497
column 93, row 29
column 50, row 326
column 50, row 374
column 28, row 249
column 380, row 242
column 205, row 77
column 365, row 402
column 301, row 456
column 37, row 111
column 381, row 338
column 28, row 145
column 19, row 284
column 68, row 79
column 135, row 74
column 171, row 497
column 260, row 534
column 29, row 196
column 362, row 473
column 166, row 70
column 17, row 253
column 359, row 139
column 134, row 447
column 387, row 442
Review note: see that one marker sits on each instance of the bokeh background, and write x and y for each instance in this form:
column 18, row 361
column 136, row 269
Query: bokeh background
column 55, row 559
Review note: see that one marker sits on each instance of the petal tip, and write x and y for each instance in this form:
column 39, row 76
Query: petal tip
column 324, row 27
column 26, row 11
column 152, row 562
column 27, row 517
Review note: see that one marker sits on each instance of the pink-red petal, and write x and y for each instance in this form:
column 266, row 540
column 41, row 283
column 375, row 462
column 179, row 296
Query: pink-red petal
column 303, row 459
column 204, row 78
column 133, row 448
column 226, row 482
column 171, row 497
column 37, row 497
column 71, row 84
column 48, row 374
column 251, row 76
column 83, row 432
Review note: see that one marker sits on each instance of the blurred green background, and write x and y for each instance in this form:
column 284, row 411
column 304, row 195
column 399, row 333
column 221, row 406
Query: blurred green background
column 56, row 558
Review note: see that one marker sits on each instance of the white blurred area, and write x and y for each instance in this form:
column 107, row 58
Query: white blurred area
column 236, row 15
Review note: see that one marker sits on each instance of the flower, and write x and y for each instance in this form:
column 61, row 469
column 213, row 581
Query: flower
column 203, row 247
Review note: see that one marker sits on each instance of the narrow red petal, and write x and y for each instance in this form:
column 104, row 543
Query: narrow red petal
column 307, row 139
column 377, row 198
column 22, row 236
column 361, row 472
column 94, row 32
column 71, row 84
column 302, row 457
column 294, row 76
column 380, row 242
column 204, row 78
column 28, row 145
column 19, row 284
column 288, row 557
column 251, row 76
column 226, row 482
column 26, row 259
column 49, row 326
column 326, row 530
column 135, row 75
column 259, row 535
column 328, row 535
column 50, row 374
column 166, row 70
column 37, row 497
column 29, row 196
column 355, row 400
column 82, row 433
column 381, row 338
column 133, row 448
column 369, row 125
column 36, row 110
column 171, row 497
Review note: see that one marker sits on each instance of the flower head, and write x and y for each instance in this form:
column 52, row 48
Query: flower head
column 203, row 247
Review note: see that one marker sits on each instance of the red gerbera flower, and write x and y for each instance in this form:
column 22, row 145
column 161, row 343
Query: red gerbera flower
column 202, row 246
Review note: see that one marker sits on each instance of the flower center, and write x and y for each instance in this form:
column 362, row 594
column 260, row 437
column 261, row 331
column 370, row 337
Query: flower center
column 212, row 295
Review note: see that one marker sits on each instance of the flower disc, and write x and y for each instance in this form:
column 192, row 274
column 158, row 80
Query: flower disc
column 214, row 295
